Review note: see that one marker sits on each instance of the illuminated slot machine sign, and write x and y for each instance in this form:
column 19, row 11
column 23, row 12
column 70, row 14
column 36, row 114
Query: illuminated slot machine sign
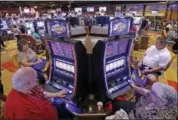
column 40, row 27
column 137, row 20
column 137, row 10
column 160, row 10
column 67, row 70
column 29, row 27
column 111, row 61
column 120, row 26
column 58, row 28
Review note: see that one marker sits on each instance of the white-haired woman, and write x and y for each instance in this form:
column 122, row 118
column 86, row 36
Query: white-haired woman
column 28, row 101
column 158, row 103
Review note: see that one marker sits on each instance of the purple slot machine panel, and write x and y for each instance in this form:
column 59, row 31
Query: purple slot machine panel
column 62, row 49
column 111, row 49
column 134, row 8
column 122, row 46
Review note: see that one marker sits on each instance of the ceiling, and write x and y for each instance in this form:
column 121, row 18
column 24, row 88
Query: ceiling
column 57, row 4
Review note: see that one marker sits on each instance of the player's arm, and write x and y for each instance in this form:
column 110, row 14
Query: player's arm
column 60, row 94
column 137, row 89
column 25, row 63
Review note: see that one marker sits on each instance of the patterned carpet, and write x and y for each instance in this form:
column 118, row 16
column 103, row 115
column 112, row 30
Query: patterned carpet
column 169, row 77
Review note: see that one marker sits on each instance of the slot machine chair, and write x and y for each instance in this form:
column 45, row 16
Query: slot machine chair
column 37, row 47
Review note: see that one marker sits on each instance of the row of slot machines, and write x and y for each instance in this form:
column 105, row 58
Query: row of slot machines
column 52, row 27
column 4, row 26
column 110, row 66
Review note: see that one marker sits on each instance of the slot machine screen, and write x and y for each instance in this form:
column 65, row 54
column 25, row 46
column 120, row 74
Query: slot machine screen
column 102, row 9
column 4, row 24
column 58, row 28
column 119, row 26
column 40, row 24
column 113, row 49
column 78, row 9
column 136, row 9
column 137, row 20
column 62, row 49
column 90, row 9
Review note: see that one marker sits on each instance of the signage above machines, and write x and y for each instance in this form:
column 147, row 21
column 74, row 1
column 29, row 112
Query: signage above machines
column 58, row 28
column 120, row 26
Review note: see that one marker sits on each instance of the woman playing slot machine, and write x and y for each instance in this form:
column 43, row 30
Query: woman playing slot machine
column 28, row 58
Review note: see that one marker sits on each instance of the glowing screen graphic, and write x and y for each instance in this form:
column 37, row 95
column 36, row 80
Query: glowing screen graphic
column 119, row 26
column 62, row 49
column 40, row 24
column 65, row 66
column 116, row 48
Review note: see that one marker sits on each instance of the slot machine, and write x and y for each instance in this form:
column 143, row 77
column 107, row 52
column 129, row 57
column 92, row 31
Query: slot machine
column 40, row 27
column 111, row 68
column 4, row 24
column 68, row 68
column 29, row 25
column 4, row 27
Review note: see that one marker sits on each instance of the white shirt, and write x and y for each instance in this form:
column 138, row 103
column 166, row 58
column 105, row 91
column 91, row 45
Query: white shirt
column 156, row 58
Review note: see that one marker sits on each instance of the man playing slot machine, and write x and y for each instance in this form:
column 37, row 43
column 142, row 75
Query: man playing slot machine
column 28, row 101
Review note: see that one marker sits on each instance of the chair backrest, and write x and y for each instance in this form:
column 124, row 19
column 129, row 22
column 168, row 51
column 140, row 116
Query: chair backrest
column 15, row 60
column 172, row 59
column 28, row 38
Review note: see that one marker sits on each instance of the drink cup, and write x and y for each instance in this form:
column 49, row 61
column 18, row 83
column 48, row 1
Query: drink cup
column 100, row 106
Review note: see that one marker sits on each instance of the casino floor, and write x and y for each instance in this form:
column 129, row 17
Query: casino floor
column 7, row 67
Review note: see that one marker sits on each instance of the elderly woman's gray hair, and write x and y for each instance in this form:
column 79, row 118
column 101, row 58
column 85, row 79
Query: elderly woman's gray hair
column 24, row 79
column 165, row 94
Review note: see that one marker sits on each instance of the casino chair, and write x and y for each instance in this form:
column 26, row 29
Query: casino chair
column 37, row 47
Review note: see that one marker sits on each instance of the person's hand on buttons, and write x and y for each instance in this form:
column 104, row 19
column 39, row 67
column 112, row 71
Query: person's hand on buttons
column 62, row 93
column 39, row 61
column 132, row 84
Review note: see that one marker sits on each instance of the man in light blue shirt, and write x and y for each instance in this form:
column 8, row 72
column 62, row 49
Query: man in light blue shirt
column 36, row 36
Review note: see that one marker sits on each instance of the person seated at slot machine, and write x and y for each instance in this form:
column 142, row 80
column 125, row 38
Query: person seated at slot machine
column 16, row 32
column 155, row 61
column 28, row 58
column 27, row 100
column 158, row 103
